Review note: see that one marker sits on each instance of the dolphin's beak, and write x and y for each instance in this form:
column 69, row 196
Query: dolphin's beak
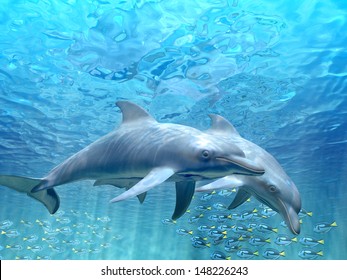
column 290, row 217
column 243, row 165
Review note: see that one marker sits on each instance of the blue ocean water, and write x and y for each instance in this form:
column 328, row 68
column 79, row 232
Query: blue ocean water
column 276, row 69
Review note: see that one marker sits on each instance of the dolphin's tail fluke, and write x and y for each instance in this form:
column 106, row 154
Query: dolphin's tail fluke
column 48, row 197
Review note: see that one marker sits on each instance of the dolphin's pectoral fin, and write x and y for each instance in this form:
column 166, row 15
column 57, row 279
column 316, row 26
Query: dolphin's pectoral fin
column 240, row 197
column 184, row 194
column 226, row 182
column 120, row 183
column 155, row 177
column 141, row 197
column 49, row 198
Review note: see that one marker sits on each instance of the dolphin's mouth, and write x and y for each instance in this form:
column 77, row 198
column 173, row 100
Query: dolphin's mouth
column 247, row 167
column 284, row 211
column 291, row 219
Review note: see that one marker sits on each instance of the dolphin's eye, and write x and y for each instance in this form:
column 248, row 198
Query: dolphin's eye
column 272, row 188
column 205, row 154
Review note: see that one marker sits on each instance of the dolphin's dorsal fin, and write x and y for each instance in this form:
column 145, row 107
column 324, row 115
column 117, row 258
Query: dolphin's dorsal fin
column 221, row 126
column 132, row 112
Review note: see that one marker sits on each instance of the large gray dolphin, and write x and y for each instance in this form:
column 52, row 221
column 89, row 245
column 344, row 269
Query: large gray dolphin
column 274, row 188
column 145, row 153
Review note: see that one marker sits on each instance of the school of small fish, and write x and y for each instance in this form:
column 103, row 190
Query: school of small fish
column 253, row 231
column 249, row 232
column 61, row 235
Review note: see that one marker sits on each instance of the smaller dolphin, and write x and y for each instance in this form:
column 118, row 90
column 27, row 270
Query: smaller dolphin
column 274, row 188
column 140, row 155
